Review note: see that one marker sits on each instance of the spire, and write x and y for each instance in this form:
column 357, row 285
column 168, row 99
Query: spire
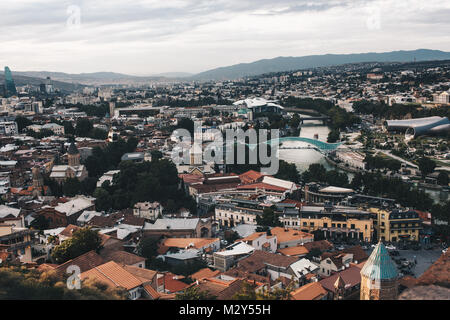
column 72, row 149
column 380, row 266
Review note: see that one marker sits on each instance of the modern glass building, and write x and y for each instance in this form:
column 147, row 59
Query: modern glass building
column 10, row 87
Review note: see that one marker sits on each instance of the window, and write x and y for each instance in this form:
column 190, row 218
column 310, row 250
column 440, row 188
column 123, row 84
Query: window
column 312, row 224
column 333, row 225
column 339, row 225
column 305, row 224
column 352, row 226
column 325, row 225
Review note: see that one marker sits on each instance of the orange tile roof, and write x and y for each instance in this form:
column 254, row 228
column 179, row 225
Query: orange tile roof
column 186, row 242
column 294, row 251
column 112, row 274
column 285, row 235
column 171, row 284
column 69, row 230
column 310, row 291
column 253, row 236
column 250, row 176
column 261, row 185
column 204, row 273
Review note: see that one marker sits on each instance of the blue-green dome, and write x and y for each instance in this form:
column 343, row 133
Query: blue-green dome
column 380, row 266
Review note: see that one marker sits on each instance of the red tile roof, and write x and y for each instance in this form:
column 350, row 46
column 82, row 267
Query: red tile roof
column 204, row 273
column 112, row 274
column 310, row 291
column 350, row 276
column 261, row 185
column 250, row 176
column 171, row 284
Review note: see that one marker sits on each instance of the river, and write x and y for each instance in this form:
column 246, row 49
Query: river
column 303, row 158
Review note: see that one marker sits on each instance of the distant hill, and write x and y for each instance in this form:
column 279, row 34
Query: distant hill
column 174, row 75
column 88, row 78
column 21, row 80
column 281, row 64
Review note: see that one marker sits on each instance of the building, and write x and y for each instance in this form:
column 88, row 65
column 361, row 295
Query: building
column 16, row 243
column 116, row 276
column 441, row 98
column 75, row 207
column 314, row 193
column 10, row 87
column 180, row 228
column 419, row 126
column 397, row 225
column 379, row 276
column 310, row 291
column 336, row 222
column 225, row 259
column 290, row 237
column 261, row 241
column 352, row 159
column 9, row 128
column 148, row 210
column 345, row 284
column 108, row 176
column 73, row 170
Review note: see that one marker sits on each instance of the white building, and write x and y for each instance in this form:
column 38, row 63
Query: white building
column 148, row 210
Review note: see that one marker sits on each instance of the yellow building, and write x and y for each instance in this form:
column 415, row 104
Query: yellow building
column 16, row 242
column 335, row 222
column 396, row 225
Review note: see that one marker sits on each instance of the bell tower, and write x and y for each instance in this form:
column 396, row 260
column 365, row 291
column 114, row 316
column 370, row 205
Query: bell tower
column 379, row 276
column 73, row 156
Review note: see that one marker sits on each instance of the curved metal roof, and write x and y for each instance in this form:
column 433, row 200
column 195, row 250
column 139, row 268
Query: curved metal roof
column 380, row 266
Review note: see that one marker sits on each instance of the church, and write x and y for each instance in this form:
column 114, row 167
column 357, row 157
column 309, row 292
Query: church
column 73, row 170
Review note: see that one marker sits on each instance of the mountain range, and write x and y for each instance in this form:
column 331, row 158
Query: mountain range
column 279, row 64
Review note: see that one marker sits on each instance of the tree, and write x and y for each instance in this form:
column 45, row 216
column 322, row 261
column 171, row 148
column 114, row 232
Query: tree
column 288, row 171
column 102, row 199
column 442, row 178
column 82, row 241
column 71, row 187
column 426, row 166
column 148, row 247
column 194, row 293
column 40, row 223
column 23, row 122
column 83, row 127
column 269, row 218
column 30, row 284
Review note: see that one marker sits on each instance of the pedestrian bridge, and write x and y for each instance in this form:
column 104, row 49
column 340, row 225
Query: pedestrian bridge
column 317, row 144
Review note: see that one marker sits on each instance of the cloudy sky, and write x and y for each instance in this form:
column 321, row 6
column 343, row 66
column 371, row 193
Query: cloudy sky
column 146, row 37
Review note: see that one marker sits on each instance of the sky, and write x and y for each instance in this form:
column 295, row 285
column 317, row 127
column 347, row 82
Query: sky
column 146, row 37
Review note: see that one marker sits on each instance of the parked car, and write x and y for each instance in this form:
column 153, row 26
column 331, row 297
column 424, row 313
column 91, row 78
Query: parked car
column 390, row 247
column 340, row 247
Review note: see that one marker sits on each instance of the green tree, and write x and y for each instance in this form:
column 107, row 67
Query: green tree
column 426, row 166
column 82, row 241
column 40, row 223
column 72, row 187
column 269, row 218
column 102, row 199
column 148, row 247
column 442, row 178
column 194, row 293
